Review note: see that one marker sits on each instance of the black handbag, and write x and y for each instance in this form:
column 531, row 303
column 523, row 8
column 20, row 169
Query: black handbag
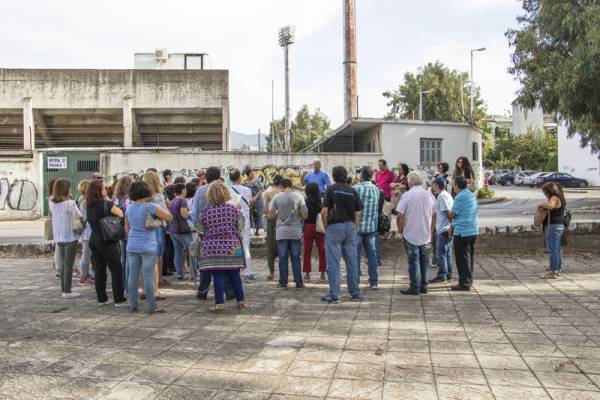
column 112, row 227
column 384, row 225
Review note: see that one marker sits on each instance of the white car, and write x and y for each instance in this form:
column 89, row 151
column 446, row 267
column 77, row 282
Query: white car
column 521, row 176
column 531, row 180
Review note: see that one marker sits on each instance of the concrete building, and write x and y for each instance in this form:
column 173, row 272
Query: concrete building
column 576, row 160
column 524, row 120
column 419, row 144
column 55, row 108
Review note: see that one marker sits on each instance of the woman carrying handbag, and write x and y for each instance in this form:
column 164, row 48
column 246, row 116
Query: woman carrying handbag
column 105, row 250
column 553, row 214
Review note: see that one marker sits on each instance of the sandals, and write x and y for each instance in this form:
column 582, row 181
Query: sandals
column 241, row 305
column 217, row 309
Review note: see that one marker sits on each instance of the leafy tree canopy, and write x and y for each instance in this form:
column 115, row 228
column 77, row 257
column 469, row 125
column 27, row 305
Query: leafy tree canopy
column 306, row 128
column 556, row 59
column 445, row 101
column 536, row 150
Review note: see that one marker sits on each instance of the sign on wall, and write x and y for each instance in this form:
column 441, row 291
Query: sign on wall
column 57, row 162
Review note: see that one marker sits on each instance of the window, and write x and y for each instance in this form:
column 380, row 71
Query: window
column 88, row 165
column 475, row 151
column 431, row 151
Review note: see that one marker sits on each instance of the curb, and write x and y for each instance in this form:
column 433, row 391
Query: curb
column 492, row 200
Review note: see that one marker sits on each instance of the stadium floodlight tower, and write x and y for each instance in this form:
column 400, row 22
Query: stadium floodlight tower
column 287, row 36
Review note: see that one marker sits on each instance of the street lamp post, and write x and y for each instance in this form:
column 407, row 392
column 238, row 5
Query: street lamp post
column 421, row 103
column 472, row 94
column 287, row 36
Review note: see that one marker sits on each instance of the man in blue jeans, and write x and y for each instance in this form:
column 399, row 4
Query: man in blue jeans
column 443, row 237
column 366, row 235
column 341, row 215
column 288, row 209
column 415, row 219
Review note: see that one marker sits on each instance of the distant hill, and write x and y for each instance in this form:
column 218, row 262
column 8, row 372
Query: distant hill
column 240, row 141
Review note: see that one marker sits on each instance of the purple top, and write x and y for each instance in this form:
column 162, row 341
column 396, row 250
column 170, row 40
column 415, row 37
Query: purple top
column 178, row 220
column 219, row 225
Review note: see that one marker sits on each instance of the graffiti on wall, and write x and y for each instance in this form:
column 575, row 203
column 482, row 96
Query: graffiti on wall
column 20, row 195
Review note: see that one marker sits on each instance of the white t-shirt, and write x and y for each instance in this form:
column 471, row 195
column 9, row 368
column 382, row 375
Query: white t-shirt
column 61, row 224
column 443, row 204
column 239, row 192
column 417, row 205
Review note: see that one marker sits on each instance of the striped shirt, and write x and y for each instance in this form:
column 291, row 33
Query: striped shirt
column 465, row 207
column 369, row 195
column 61, row 223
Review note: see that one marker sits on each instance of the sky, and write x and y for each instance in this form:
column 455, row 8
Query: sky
column 393, row 36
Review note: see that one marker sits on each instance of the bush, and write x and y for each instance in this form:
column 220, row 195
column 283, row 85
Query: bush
column 485, row 193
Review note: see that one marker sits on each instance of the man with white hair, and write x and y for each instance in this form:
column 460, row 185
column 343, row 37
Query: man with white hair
column 319, row 177
column 415, row 220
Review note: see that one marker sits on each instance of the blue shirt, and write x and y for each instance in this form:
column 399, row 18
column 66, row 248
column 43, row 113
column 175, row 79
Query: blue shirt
column 369, row 216
column 465, row 207
column 140, row 239
column 320, row 178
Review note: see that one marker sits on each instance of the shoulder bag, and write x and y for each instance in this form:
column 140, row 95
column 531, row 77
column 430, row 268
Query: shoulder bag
column 111, row 227
column 151, row 222
column 74, row 218
column 320, row 227
column 540, row 215
column 48, row 235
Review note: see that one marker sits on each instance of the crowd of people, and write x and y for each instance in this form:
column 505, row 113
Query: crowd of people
column 201, row 229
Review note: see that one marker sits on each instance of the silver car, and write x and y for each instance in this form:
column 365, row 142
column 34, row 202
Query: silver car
column 531, row 180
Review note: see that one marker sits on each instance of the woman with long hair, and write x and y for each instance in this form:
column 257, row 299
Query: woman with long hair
column 105, row 254
column 554, row 226
column 314, row 205
column 152, row 179
column 463, row 168
column 221, row 252
column 142, row 243
column 65, row 238
column 84, row 263
column 400, row 185
column 121, row 200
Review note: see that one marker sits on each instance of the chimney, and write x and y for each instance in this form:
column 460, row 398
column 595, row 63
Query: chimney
column 350, row 89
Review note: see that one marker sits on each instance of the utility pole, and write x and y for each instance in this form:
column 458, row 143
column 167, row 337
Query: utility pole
column 259, row 140
column 350, row 61
column 472, row 93
column 287, row 36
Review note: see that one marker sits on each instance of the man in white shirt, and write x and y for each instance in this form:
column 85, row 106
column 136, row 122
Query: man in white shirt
column 443, row 237
column 244, row 195
column 415, row 220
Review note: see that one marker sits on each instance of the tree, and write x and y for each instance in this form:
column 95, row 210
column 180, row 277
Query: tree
column 535, row 150
column 556, row 59
column 306, row 128
column 445, row 102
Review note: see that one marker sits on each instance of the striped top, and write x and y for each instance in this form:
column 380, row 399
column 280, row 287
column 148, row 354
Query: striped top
column 61, row 225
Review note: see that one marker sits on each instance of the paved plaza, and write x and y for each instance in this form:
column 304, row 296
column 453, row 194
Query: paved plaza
column 514, row 337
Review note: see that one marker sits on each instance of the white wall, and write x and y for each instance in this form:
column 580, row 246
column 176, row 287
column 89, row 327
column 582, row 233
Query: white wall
column 401, row 144
column 523, row 120
column 20, row 188
column 577, row 161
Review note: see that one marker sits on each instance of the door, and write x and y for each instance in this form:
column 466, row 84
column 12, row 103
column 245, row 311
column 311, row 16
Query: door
column 73, row 165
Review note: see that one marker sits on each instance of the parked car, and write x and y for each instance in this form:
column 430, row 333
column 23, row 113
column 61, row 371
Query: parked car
column 566, row 180
column 507, row 179
column 531, row 180
column 520, row 177
column 495, row 177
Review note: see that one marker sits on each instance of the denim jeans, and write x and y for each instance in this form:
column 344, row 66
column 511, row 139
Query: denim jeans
column 181, row 242
column 245, row 236
column 443, row 254
column 340, row 241
column 285, row 249
column 369, row 240
column 378, row 248
column 554, row 233
column 418, row 264
column 143, row 262
column 232, row 276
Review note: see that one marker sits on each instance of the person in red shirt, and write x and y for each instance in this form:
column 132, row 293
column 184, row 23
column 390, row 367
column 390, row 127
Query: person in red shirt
column 384, row 178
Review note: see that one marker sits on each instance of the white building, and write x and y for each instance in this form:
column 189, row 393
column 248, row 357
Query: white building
column 524, row 120
column 575, row 160
column 419, row 144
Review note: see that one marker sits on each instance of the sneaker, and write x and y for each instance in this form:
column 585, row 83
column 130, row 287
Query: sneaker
column 459, row 288
column 356, row 297
column 249, row 279
column 90, row 281
column 282, row 285
column 323, row 278
column 438, row 279
column 307, row 277
column 124, row 303
column 410, row 291
column 330, row 299
column 202, row 296
column 373, row 286
column 299, row 285
column 83, row 282
column 133, row 310
column 76, row 275
column 103, row 303
column 549, row 275
column 424, row 290
column 70, row 295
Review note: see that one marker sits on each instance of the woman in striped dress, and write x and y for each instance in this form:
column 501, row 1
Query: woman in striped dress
column 220, row 225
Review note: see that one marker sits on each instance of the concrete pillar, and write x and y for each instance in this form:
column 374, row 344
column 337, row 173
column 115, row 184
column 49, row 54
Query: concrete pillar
column 225, row 124
column 28, row 125
column 127, row 121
